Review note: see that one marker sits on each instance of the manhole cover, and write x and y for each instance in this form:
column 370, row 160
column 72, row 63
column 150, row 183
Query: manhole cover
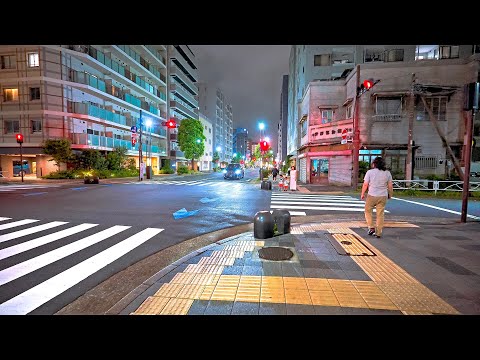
column 275, row 253
column 345, row 242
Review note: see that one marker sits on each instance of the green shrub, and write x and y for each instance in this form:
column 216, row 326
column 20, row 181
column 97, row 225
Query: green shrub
column 182, row 169
column 434, row 177
column 166, row 171
column 265, row 173
column 64, row 174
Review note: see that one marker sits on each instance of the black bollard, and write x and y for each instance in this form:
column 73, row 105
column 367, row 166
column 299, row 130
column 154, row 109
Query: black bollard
column 263, row 225
column 282, row 218
column 266, row 185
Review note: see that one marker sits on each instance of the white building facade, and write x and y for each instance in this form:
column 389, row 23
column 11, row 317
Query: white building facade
column 205, row 163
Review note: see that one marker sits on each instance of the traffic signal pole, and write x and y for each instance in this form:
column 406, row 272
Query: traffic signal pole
column 140, row 152
column 356, row 134
column 21, row 161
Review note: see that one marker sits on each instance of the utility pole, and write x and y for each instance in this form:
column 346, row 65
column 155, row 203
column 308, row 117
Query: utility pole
column 140, row 152
column 356, row 134
column 21, row 161
column 411, row 105
column 468, row 159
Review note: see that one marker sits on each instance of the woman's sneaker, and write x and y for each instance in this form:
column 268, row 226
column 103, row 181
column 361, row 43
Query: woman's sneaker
column 371, row 232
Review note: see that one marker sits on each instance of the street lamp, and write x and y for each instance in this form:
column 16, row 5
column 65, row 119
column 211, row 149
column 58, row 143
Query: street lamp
column 148, row 124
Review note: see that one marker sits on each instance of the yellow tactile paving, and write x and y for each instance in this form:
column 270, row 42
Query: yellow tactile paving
column 260, row 243
column 297, row 296
column 318, row 284
column 342, row 230
column 355, row 247
column 225, row 293
column 323, row 298
column 272, row 295
column 250, row 281
column 205, row 279
column 217, row 261
column 191, row 292
column 207, row 292
column 177, row 307
column 350, row 299
column 169, row 290
column 182, row 278
column 248, row 294
column 228, row 280
column 295, row 283
column 152, row 305
column 272, row 282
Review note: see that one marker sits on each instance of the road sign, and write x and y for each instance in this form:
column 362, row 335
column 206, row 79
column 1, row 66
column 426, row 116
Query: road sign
column 344, row 141
column 344, row 135
column 134, row 129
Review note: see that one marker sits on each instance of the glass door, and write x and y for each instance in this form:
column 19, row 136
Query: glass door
column 319, row 171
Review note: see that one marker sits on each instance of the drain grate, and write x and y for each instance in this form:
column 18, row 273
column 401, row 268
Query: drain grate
column 275, row 253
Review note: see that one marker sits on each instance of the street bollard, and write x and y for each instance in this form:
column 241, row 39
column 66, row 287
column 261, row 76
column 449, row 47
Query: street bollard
column 263, row 225
column 282, row 218
column 266, row 185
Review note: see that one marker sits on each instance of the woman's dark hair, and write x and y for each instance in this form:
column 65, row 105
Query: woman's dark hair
column 379, row 163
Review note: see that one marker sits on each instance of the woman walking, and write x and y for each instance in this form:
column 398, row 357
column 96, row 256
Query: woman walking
column 378, row 181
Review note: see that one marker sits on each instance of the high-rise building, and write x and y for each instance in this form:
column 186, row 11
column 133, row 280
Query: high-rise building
column 213, row 104
column 283, row 123
column 90, row 94
column 183, row 75
column 240, row 142
column 206, row 159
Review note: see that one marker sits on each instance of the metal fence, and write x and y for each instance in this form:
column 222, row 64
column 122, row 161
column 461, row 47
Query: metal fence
column 434, row 185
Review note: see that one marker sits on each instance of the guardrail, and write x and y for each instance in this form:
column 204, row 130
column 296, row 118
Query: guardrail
column 433, row 185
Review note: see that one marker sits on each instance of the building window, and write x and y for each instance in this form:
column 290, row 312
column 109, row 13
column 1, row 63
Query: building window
column 33, row 59
column 349, row 112
column 304, row 128
column 11, row 126
column 7, row 62
column 388, row 106
column 476, row 49
column 36, row 126
column 35, row 93
column 322, row 60
column 10, row 94
column 438, row 105
column 394, row 55
column 372, row 55
column 327, row 116
column 449, row 52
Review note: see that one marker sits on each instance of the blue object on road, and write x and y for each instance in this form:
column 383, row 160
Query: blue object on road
column 79, row 188
column 207, row 200
column 182, row 213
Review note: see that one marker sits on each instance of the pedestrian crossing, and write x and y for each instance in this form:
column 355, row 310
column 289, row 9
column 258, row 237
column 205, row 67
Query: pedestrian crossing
column 206, row 183
column 12, row 188
column 60, row 251
column 312, row 203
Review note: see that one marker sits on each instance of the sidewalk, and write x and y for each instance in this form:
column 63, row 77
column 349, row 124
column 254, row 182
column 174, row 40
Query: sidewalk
column 420, row 266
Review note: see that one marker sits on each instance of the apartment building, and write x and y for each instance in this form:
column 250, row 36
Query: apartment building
column 240, row 137
column 392, row 121
column 205, row 162
column 183, row 93
column 283, row 123
column 213, row 103
column 90, row 94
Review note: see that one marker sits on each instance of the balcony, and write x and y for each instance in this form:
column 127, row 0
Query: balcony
column 179, row 76
column 183, row 109
column 93, row 81
column 150, row 51
column 127, row 54
column 83, row 141
column 183, row 94
column 117, row 68
column 183, row 65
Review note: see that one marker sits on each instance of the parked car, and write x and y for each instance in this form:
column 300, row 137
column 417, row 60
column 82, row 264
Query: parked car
column 233, row 171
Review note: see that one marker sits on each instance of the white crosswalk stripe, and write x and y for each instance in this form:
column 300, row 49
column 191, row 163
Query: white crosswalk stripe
column 220, row 183
column 10, row 188
column 57, row 283
column 315, row 202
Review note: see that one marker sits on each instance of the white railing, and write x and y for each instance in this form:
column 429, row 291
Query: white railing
column 434, row 185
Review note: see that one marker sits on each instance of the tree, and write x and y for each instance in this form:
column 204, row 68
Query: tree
column 117, row 158
column 59, row 150
column 191, row 139
column 236, row 159
column 215, row 159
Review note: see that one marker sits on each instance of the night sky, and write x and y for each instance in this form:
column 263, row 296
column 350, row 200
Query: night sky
column 250, row 76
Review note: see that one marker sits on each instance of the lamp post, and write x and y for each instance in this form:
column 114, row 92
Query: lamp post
column 261, row 126
column 148, row 125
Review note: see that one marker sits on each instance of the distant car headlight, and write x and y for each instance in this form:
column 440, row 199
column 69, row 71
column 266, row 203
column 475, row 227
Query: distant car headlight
column 224, row 171
column 238, row 172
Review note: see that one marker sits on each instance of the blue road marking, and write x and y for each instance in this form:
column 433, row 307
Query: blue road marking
column 79, row 188
column 37, row 193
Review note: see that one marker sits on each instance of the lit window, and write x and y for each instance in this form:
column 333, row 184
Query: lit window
column 327, row 116
column 33, row 59
column 10, row 94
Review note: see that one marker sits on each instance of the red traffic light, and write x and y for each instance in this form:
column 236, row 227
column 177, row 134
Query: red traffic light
column 19, row 138
column 171, row 124
column 264, row 145
column 368, row 84
column 134, row 141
